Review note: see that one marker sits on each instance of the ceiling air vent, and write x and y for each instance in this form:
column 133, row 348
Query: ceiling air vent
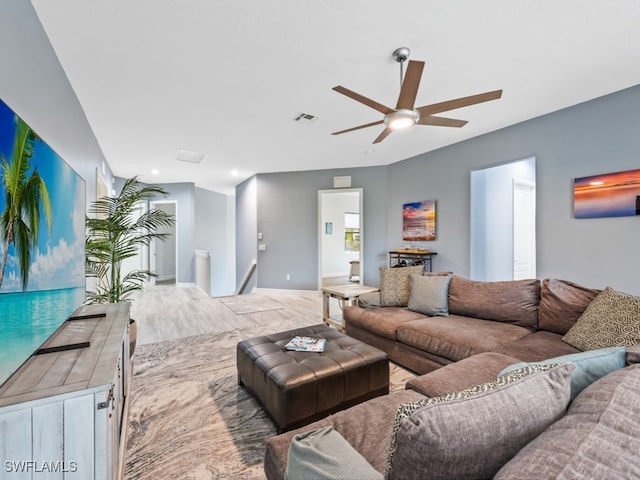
column 305, row 118
column 189, row 156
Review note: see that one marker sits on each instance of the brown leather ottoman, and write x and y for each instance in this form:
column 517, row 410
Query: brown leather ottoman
column 296, row 388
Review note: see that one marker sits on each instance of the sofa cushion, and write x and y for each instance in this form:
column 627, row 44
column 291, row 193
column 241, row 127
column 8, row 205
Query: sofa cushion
column 324, row 454
column 476, row 369
column 381, row 321
column 456, row 337
column 513, row 301
column 561, row 304
column 599, row 437
column 394, row 285
column 612, row 319
column 429, row 294
column 536, row 347
column 590, row 366
column 473, row 433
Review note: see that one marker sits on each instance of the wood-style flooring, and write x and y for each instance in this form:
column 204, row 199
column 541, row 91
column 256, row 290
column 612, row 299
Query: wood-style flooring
column 168, row 312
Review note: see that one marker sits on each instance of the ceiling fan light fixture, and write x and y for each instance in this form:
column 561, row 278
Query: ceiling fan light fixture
column 400, row 119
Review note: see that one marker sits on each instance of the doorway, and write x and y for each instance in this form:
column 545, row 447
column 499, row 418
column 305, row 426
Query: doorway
column 164, row 253
column 503, row 227
column 340, row 237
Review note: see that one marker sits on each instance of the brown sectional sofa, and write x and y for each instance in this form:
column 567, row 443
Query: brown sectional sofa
column 597, row 437
column 524, row 319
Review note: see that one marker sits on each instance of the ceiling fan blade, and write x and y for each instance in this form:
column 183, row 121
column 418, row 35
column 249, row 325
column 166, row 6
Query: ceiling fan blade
column 379, row 122
column 458, row 103
column 410, row 84
column 441, row 121
column 385, row 133
column 364, row 100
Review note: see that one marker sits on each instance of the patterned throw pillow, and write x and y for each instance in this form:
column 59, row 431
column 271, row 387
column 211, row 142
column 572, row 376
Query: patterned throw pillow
column 612, row 319
column 394, row 285
column 531, row 398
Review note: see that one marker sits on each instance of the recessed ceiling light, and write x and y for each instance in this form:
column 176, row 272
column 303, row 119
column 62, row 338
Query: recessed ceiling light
column 234, row 173
column 155, row 171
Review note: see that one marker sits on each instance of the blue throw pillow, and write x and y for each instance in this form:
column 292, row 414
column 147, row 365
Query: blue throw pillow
column 590, row 366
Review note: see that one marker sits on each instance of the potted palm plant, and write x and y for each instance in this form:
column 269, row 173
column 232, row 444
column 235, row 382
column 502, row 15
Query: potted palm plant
column 115, row 233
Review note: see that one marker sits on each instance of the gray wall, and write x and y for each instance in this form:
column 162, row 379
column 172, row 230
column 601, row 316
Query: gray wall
column 286, row 213
column 35, row 86
column 595, row 137
column 246, row 230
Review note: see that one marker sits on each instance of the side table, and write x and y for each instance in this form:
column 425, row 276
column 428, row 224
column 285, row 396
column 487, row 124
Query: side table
column 346, row 295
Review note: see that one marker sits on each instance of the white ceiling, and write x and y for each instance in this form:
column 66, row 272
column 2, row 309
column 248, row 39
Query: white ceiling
column 227, row 78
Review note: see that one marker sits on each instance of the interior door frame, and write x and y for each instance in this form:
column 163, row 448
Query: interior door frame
column 152, row 245
column 321, row 193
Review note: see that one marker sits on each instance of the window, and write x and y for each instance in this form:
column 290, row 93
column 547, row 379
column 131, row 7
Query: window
column 351, row 232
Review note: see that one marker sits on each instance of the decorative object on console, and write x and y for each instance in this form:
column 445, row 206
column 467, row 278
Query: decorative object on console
column 608, row 195
column 42, row 207
column 419, row 221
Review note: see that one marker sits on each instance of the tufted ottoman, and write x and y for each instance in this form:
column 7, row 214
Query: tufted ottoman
column 296, row 388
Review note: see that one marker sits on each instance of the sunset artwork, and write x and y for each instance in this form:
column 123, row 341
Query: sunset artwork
column 609, row 195
column 419, row 221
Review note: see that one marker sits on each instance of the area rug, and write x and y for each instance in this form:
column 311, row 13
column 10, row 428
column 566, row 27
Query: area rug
column 243, row 304
column 189, row 419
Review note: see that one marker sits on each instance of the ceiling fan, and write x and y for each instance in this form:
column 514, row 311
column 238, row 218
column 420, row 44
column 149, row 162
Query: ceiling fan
column 405, row 114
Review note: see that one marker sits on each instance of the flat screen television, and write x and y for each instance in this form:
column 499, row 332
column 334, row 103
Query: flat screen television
column 42, row 212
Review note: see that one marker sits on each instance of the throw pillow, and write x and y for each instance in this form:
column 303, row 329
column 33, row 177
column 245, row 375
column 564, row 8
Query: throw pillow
column 394, row 285
column 612, row 319
column 590, row 366
column 429, row 295
column 473, row 433
column 325, row 454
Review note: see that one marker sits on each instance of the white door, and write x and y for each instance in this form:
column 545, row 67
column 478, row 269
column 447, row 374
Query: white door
column 524, row 220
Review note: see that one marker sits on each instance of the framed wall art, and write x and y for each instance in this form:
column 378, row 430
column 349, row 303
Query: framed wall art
column 607, row 195
column 419, row 221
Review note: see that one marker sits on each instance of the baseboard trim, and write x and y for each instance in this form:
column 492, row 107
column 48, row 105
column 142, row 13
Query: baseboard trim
column 285, row 291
